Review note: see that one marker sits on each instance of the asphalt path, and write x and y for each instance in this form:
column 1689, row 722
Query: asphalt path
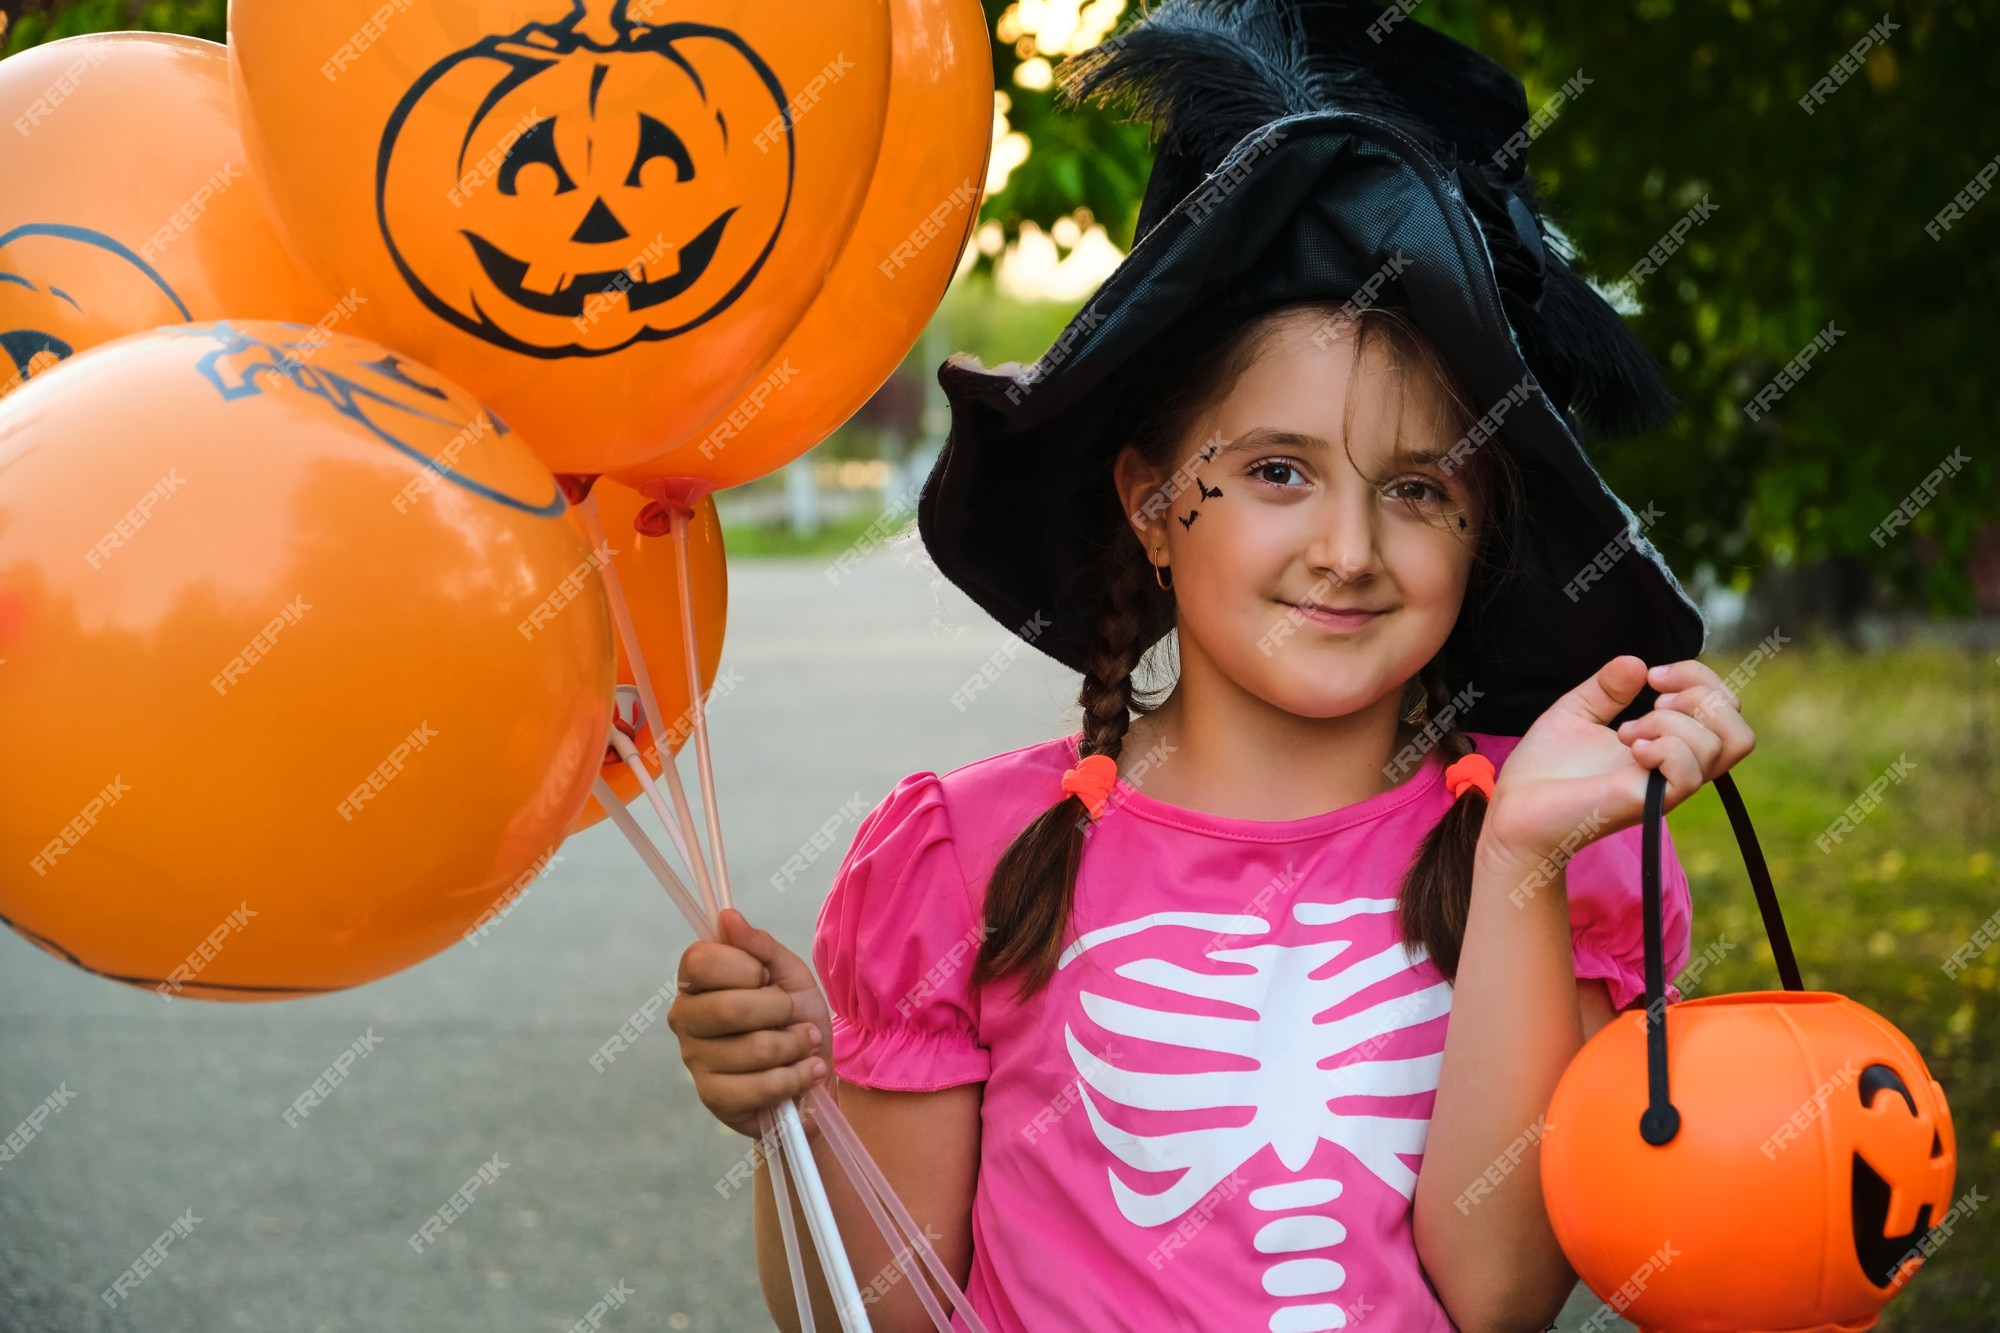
column 605, row 1187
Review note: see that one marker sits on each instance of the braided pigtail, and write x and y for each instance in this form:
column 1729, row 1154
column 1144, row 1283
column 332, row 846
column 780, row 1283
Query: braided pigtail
column 1033, row 889
column 1437, row 890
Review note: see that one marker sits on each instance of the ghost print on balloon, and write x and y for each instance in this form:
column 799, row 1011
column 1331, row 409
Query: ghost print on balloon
column 1270, row 1065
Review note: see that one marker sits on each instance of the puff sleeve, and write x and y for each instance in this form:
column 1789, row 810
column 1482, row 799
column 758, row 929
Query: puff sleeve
column 1606, row 920
column 894, row 948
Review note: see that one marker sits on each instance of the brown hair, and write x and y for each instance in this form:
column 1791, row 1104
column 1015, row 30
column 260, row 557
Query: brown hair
column 1032, row 892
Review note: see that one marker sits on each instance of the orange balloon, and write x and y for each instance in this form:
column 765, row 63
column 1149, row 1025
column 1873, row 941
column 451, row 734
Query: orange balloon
column 599, row 224
column 127, row 203
column 919, row 214
column 305, row 670
column 648, row 570
column 1814, row 1149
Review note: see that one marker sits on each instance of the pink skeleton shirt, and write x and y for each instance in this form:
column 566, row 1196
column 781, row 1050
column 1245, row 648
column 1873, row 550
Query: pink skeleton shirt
column 1214, row 1116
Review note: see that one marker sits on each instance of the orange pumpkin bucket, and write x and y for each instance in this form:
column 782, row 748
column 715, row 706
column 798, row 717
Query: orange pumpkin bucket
column 1778, row 1168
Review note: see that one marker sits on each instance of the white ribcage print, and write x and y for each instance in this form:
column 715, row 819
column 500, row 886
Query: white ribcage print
column 1286, row 1090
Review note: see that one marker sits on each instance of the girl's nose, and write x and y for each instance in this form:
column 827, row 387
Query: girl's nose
column 1343, row 543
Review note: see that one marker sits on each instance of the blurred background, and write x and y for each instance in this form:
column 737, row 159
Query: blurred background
column 1818, row 219
column 1888, row 644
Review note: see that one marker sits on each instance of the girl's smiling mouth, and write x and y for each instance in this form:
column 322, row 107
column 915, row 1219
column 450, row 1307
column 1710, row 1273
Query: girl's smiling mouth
column 1344, row 620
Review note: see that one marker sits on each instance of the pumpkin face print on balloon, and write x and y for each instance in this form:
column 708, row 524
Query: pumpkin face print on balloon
column 572, row 189
column 64, row 289
column 29, row 351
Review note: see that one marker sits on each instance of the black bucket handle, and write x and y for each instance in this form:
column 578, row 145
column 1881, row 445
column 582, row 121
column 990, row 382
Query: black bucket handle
column 1661, row 1120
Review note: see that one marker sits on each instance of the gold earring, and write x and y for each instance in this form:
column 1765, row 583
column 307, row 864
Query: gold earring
column 1164, row 585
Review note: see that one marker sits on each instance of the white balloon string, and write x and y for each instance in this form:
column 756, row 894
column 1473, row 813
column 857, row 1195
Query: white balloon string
column 703, row 923
column 774, row 1162
column 866, row 1175
column 869, row 1183
column 704, row 765
column 833, row 1259
column 704, row 926
column 630, row 754
column 628, row 634
column 903, row 1255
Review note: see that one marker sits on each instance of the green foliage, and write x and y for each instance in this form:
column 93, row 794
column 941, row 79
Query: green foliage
column 1818, row 218
column 34, row 23
column 1082, row 157
column 1876, row 915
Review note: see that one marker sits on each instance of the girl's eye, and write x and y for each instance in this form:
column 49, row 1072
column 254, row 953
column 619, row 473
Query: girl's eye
column 1278, row 471
column 1421, row 490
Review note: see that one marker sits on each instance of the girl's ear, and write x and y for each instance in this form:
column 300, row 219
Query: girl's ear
column 1143, row 493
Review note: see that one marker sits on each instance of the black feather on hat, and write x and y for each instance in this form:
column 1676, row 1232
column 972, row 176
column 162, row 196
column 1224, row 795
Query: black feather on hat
column 1301, row 146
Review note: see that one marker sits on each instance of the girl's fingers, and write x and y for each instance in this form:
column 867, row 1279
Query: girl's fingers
column 707, row 965
column 739, row 1019
column 1671, row 755
column 1701, row 701
column 1718, row 710
column 730, row 1013
column 740, row 1096
column 754, row 1052
column 786, row 968
column 1661, row 724
column 1670, row 676
column 1611, row 687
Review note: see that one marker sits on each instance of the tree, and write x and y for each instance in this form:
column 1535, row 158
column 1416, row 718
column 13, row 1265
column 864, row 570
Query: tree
column 1827, row 237
column 35, row 21
column 1818, row 230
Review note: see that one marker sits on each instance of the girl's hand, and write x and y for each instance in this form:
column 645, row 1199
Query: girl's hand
column 753, row 1025
column 1572, row 774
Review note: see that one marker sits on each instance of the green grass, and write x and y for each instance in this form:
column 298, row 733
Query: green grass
column 1875, row 917
column 755, row 540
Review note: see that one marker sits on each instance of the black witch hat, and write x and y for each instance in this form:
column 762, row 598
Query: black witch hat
column 1303, row 150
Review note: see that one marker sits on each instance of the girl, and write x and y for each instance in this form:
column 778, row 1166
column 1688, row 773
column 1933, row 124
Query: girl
column 1241, row 1008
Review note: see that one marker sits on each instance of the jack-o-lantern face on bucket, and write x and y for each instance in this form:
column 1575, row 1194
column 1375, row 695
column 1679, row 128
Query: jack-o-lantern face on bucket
column 1808, row 1179
column 572, row 189
column 1901, row 1161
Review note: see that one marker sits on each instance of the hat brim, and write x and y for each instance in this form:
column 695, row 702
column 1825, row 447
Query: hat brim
column 1311, row 206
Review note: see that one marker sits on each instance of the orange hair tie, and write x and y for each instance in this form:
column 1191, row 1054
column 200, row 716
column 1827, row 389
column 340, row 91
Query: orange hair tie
column 1091, row 782
column 1475, row 770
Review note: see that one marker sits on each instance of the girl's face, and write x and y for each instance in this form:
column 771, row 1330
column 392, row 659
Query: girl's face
column 1318, row 549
